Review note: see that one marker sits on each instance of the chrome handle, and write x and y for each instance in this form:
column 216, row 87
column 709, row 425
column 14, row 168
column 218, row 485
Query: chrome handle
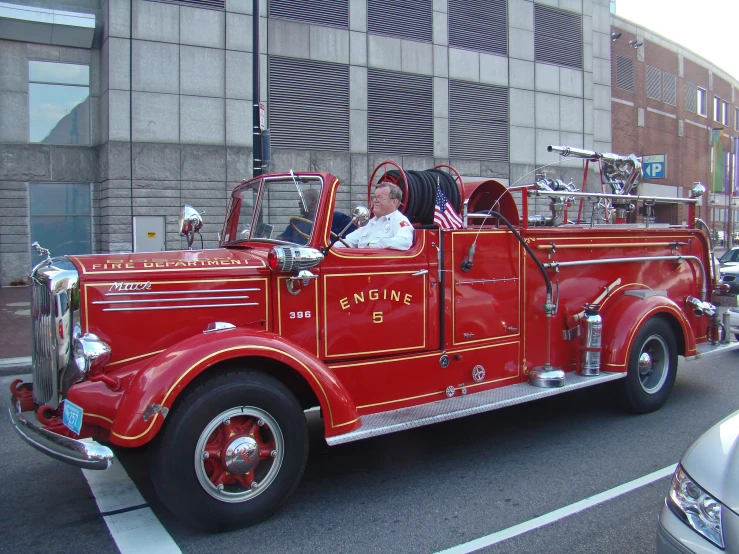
column 420, row 272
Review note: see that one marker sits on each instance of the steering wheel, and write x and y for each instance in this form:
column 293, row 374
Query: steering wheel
column 294, row 219
column 293, row 223
column 334, row 235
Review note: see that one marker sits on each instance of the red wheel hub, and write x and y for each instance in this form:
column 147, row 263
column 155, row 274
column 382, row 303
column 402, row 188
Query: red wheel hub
column 236, row 449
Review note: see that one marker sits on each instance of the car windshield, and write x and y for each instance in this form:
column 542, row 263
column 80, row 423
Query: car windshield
column 285, row 208
column 729, row 255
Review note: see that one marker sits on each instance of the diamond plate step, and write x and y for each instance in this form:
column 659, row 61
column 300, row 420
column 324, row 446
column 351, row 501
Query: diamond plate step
column 460, row 406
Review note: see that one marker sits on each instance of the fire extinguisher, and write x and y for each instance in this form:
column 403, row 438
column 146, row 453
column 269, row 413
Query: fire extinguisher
column 591, row 327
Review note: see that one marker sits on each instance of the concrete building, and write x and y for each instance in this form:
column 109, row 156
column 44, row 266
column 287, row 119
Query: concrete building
column 113, row 113
column 680, row 110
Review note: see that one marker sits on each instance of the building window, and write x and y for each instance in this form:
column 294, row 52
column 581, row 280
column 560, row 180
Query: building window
column 481, row 26
column 691, row 97
column 60, row 218
column 59, row 103
column 334, row 13
column 669, row 88
column 725, row 113
column 557, row 37
column 701, row 101
column 400, row 113
column 624, row 73
column 409, row 19
column 478, row 121
column 654, row 83
column 716, row 108
column 310, row 111
column 736, row 119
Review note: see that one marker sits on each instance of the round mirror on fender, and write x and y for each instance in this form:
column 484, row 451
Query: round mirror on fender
column 190, row 223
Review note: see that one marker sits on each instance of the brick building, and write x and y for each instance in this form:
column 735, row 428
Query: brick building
column 668, row 101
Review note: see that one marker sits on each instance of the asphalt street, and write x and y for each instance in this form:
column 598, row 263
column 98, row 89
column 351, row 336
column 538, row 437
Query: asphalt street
column 422, row 490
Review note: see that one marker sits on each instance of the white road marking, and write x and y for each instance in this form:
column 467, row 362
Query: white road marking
column 561, row 513
column 131, row 522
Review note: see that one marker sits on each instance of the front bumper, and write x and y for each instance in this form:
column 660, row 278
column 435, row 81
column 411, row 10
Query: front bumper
column 86, row 455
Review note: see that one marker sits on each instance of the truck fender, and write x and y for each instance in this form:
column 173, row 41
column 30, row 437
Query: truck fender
column 624, row 316
column 156, row 386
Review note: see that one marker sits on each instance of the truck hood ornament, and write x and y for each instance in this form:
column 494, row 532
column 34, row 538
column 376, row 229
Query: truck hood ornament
column 42, row 251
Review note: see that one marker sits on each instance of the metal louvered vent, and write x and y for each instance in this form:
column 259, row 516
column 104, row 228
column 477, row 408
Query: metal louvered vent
column 654, row 83
column 557, row 37
column 481, row 26
column 410, row 19
column 207, row 4
column 691, row 94
column 400, row 113
column 624, row 73
column 308, row 104
column 334, row 13
column 478, row 121
column 669, row 88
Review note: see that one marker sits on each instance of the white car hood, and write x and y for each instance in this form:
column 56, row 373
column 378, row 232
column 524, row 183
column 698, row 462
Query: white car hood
column 713, row 461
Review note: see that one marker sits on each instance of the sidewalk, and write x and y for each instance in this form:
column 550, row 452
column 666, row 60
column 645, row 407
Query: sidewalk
column 15, row 330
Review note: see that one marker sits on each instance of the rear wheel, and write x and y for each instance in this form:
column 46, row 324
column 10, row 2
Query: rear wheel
column 652, row 367
column 231, row 452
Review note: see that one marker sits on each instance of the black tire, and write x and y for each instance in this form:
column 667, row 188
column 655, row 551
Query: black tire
column 736, row 336
column 647, row 385
column 266, row 415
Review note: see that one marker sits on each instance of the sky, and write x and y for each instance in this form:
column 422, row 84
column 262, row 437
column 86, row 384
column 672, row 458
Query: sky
column 707, row 27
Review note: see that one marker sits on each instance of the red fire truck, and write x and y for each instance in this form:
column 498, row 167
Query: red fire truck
column 213, row 356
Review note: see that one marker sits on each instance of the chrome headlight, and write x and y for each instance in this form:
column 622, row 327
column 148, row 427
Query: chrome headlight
column 89, row 351
column 293, row 258
column 698, row 509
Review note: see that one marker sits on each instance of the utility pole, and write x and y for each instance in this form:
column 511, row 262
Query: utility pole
column 256, row 119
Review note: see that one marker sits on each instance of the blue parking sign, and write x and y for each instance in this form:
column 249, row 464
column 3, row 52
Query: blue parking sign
column 72, row 417
column 654, row 166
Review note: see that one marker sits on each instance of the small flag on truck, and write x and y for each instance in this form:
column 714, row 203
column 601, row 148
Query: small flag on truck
column 444, row 214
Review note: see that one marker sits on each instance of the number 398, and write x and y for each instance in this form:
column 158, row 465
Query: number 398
column 301, row 315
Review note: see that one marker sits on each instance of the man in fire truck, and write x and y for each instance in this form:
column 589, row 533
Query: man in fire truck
column 388, row 228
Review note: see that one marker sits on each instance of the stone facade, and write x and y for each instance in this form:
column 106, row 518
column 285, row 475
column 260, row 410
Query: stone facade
column 171, row 90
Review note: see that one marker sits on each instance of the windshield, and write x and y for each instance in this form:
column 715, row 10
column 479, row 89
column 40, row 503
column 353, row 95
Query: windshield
column 285, row 209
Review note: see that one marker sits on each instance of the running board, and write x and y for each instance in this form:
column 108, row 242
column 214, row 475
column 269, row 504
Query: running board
column 383, row 423
column 706, row 348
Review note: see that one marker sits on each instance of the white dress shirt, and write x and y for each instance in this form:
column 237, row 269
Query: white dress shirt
column 387, row 231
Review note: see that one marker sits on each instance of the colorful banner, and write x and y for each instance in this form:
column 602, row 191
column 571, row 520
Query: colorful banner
column 718, row 161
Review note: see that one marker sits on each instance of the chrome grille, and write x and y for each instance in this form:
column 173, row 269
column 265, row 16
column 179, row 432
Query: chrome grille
column 53, row 317
column 44, row 345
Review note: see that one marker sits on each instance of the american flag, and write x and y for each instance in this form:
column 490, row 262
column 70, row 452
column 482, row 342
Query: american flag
column 444, row 214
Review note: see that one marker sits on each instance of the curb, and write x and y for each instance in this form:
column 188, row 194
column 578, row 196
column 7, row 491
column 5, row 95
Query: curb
column 15, row 366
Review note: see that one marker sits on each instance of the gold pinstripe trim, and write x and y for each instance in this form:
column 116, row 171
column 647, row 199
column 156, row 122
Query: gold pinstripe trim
column 209, row 356
column 325, row 313
column 473, row 385
column 136, row 357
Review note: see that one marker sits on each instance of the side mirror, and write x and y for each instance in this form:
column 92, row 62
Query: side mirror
column 360, row 216
column 190, row 223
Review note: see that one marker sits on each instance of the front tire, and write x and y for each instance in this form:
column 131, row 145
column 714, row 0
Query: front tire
column 652, row 367
column 231, row 452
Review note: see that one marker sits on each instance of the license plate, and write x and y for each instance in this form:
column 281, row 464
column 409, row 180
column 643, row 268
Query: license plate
column 72, row 417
